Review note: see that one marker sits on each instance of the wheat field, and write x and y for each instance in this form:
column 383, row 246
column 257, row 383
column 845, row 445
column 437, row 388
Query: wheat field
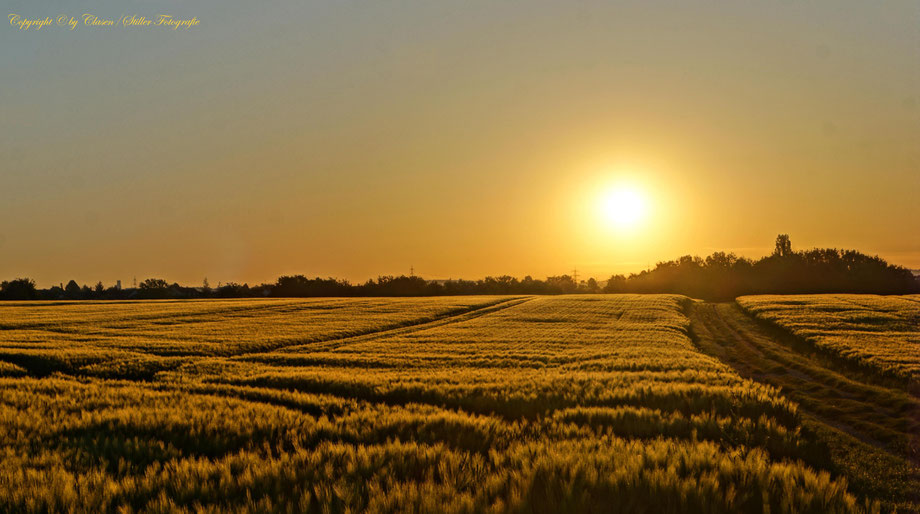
column 880, row 332
column 465, row 404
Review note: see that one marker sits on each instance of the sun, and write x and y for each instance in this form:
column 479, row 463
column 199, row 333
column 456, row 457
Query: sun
column 623, row 207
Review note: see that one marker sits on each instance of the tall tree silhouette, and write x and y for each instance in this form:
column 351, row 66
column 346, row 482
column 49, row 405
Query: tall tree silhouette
column 783, row 246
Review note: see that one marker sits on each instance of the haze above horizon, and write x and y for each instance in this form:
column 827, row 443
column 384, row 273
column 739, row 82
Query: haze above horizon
column 356, row 139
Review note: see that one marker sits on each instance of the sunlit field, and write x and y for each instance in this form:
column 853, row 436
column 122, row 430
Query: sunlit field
column 540, row 404
column 880, row 332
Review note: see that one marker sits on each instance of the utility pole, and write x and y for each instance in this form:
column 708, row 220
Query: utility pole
column 411, row 271
column 575, row 275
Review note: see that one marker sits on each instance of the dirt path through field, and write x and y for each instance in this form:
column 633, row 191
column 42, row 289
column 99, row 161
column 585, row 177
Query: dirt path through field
column 872, row 428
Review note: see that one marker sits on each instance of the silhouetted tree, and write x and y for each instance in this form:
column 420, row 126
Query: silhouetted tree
column 395, row 286
column 18, row 289
column 155, row 288
column 783, row 246
column 591, row 286
column 615, row 284
column 233, row 290
column 72, row 291
column 154, row 283
column 301, row 286
column 724, row 276
column 561, row 284
column 720, row 276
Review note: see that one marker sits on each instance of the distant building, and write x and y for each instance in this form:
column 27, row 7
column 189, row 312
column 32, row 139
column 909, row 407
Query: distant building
column 118, row 285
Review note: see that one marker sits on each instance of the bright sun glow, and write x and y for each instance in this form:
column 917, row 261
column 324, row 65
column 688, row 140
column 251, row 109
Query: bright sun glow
column 623, row 207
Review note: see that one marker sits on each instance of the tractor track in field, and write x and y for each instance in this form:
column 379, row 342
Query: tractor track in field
column 851, row 412
column 402, row 328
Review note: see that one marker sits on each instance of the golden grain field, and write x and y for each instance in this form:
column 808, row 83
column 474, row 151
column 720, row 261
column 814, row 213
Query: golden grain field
column 466, row 404
column 881, row 332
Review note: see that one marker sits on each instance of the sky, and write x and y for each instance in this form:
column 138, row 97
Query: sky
column 459, row 139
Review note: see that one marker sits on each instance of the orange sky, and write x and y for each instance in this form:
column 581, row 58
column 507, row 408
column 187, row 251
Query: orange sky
column 352, row 139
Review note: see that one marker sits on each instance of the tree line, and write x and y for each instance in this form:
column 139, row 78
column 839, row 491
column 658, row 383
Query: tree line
column 720, row 276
